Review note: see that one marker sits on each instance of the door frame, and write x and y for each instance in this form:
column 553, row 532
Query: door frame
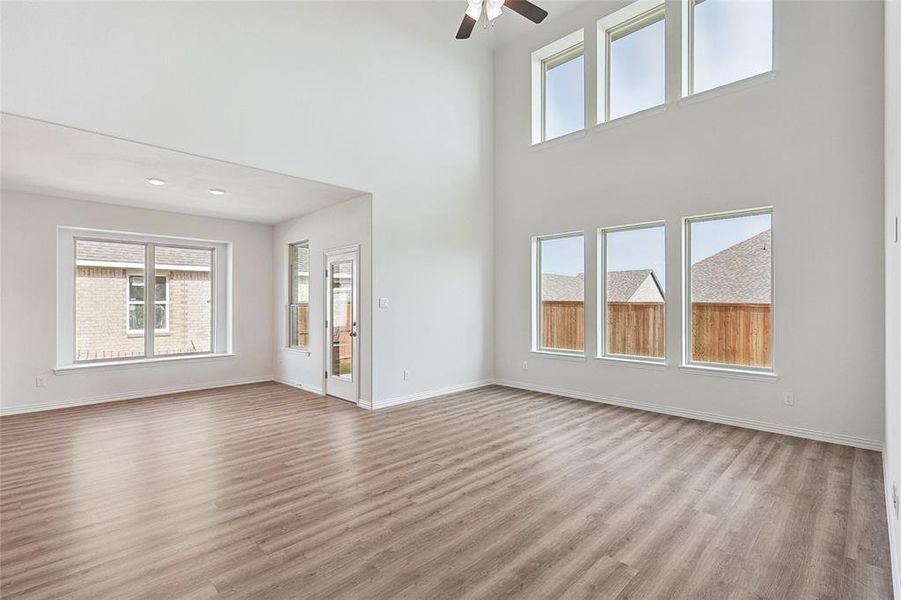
column 326, row 338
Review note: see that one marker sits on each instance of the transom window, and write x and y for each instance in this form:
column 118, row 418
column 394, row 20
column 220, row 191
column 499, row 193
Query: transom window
column 558, row 88
column 631, row 60
column 725, row 41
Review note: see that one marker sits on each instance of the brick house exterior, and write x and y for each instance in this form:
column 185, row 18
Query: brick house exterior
column 102, row 304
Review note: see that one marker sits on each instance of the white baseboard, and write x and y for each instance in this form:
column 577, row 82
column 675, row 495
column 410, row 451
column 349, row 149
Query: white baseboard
column 29, row 408
column 379, row 404
column 365, row 404
column 893, row 541
column 299, row 385
column 810, row 434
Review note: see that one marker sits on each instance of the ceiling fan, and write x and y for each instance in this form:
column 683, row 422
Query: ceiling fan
column 493, row 9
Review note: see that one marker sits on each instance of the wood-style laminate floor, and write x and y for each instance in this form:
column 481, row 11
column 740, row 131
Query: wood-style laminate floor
column 265, row 491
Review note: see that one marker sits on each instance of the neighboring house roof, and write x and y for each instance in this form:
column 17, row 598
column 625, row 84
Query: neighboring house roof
column 740, row 274
column 562, row 288
column 622, row 286
column 95, row 253
column 633, row 286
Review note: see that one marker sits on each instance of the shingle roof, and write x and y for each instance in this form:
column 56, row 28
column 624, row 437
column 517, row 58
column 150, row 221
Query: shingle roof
column 622, row 286
column 633, row 286
column 562, row 288
column 739, row 274
column 114, row 252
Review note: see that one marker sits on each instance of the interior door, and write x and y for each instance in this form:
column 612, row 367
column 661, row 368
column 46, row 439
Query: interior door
column 342, row 338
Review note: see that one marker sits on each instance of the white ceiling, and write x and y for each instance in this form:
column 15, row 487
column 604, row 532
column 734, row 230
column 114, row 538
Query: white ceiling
column 510, row 25
column 45, row 158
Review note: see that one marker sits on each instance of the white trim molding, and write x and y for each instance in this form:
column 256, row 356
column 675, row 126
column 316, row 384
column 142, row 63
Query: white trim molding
column 800, row 432
column 380, row 404
column 105, row 398
column 301, row 386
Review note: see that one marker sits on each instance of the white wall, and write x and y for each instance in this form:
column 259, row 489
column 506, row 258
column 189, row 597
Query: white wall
column 376, row 96
column 806, row 139
column 892, row 454
column 340, row 225
column 28, row 308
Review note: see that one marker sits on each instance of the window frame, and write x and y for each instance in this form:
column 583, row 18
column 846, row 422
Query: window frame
column 67, row 274
column 536, row 342
column 557, row 53
column 601, row 309
column 621, row 23
column 688, row 50
column 561, row 58
column 292, row 289
column 129, row 302
column 687, row 361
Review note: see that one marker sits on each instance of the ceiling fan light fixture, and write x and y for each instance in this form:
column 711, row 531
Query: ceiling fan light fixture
column 474, row 9
column 493, row 9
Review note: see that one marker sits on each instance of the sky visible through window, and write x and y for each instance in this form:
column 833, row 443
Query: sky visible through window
column 637, row 66
column 636, row 249
column 641, row 248
column 733, row 39
column 710, row 237
column 564, row 98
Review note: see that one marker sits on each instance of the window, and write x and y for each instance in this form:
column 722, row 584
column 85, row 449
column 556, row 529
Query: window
column 299, row 295
column 558, row 88
column 632, row 288
column 725, row 41
column 559, row 299
column 631, row 60
column 136, row 304
column 729, row 261
column 107, row 313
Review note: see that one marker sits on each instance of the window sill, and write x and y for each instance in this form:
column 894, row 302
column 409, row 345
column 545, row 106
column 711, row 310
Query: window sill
column 727, row 372
column 560, row 355
column 634, row 362
column 303, row 351
column 136, row 363
column 624, row 119
column 559, row 139
column 728, row 88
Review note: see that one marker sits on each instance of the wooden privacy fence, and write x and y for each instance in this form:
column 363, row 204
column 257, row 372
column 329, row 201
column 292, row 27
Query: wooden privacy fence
column 636, row 329
column 563, row 325
column 736, row 334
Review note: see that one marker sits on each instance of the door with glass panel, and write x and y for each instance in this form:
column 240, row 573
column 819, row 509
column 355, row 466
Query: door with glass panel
column 342, row 339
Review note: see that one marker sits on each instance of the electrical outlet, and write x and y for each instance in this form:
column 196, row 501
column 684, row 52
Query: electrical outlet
column 525, row 365
column 383, row 303
column 406, row 375
column 896, row 500
column 788, row 398
column 40, row 381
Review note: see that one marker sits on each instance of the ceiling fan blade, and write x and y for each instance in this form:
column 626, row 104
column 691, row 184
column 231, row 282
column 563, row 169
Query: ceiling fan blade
column 536, row 14
column 466, row 28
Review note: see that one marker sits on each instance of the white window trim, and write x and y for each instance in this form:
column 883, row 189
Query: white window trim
column 602, row 295
column 688, row 51
column 292, row 300
column 740, row 371
column 129, row 302
column 221, row 311
column 634, row 16
column 572, row 43
column 536, row 296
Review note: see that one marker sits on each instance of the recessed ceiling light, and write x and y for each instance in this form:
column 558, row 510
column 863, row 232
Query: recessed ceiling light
column 155, row 181
column 217, row 192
